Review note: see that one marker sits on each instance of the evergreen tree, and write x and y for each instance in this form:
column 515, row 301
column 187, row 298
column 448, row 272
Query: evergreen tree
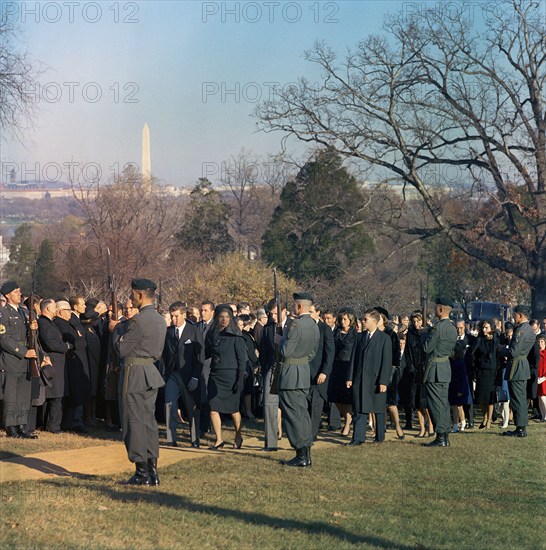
column 47, row 283
column 318, row 227
column 205, row 228
column 21, row 257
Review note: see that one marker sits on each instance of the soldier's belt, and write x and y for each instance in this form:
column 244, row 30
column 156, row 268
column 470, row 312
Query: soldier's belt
column 296, row 361
column 439, row 359
column 130, row 361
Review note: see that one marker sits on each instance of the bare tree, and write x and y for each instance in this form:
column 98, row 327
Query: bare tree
column 18, row 76
column 448, row 110
column 136, row 223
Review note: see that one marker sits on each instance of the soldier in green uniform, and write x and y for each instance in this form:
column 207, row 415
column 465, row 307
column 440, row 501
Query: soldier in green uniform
column 139, row 345
column 439, row 346
column 14, row 356
column 518, row 372
column 298, row 348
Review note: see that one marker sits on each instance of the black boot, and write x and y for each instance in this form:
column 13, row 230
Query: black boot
column 152, row 471
column 26, row 435
column 520, row 431
column 141, row 477
column 309, row 463
column 300, row 460
column 11, row 431
column 446, row 440
column 438, row 442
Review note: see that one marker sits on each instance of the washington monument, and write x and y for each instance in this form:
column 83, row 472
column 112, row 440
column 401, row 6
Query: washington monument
column 146, row 158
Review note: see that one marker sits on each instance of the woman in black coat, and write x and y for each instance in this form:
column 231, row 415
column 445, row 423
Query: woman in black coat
column 415, row 363
column 486, row 368
column 225, row 346
column 345, row 336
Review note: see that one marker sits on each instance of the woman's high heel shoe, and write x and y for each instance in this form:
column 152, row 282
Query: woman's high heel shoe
column 217, row 447
column 238, row 443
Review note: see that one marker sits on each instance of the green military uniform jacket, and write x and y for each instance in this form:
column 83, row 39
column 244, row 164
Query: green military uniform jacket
column 439, row 346
column 13, row 339
column 522, row 341
column 139, row 346
column 298, row 348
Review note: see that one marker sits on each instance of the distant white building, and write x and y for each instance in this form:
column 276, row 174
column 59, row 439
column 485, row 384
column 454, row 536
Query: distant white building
column 4, row 255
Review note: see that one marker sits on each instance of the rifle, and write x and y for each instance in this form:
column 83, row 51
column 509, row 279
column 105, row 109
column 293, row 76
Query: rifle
column 159, row 296
column 274, row 381
column 112, row 287
column 33, row 333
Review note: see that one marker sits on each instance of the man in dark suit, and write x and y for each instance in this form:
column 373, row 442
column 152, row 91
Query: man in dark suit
column 183, row 355
column 14, row 356
column 51, row 341
column 207, row 313
column 465, row 339
column 321, row 367
column 266, row 348
column 369, row 378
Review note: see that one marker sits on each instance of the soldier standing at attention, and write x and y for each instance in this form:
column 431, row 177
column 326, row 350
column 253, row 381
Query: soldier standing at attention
column 298, row 348
column 139, row 346
column 439, row 346
column 518, row 371
column 14, row 356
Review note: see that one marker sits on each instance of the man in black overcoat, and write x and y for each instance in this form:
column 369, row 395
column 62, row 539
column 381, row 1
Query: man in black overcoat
column 321, row 367
column 51, row 341
column 369, row 378
column 183, row 355
column 79, row 382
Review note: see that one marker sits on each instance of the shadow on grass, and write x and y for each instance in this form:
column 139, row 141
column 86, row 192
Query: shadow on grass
column 46, row 467
column 155, row 497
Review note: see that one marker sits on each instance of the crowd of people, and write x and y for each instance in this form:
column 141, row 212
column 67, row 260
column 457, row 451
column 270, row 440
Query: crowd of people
column 302, row 369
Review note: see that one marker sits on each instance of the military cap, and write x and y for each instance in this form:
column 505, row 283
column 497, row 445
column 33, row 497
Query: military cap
column 383, row 311
column 523, row 310
column 143, row 284
column 444, row 301
column 303, row 296
column 8, row 286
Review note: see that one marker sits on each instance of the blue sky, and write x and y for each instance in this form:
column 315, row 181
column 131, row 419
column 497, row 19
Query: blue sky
column 152, row 61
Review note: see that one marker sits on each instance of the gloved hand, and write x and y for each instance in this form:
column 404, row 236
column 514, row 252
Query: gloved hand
column 192, row 384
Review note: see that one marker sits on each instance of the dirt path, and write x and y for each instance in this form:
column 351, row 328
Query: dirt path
column 111, row 458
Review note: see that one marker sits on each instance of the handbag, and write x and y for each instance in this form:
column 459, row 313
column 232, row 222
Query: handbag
column 501, row 395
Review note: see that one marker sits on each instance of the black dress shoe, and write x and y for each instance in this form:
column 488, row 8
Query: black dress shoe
column 11, row 431
column 195, row 444
column 141, row 477
column 354, row 443
column 270, row 449
column 80, row 430
column 171, row 444
column 23, row 434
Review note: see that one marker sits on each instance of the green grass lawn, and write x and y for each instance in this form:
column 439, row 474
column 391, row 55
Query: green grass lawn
column 485, row 491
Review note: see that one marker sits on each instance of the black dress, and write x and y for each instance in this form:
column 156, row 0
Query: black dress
column 415, row 364
column 486, row 368
column 228, row 362
column 341, row 369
